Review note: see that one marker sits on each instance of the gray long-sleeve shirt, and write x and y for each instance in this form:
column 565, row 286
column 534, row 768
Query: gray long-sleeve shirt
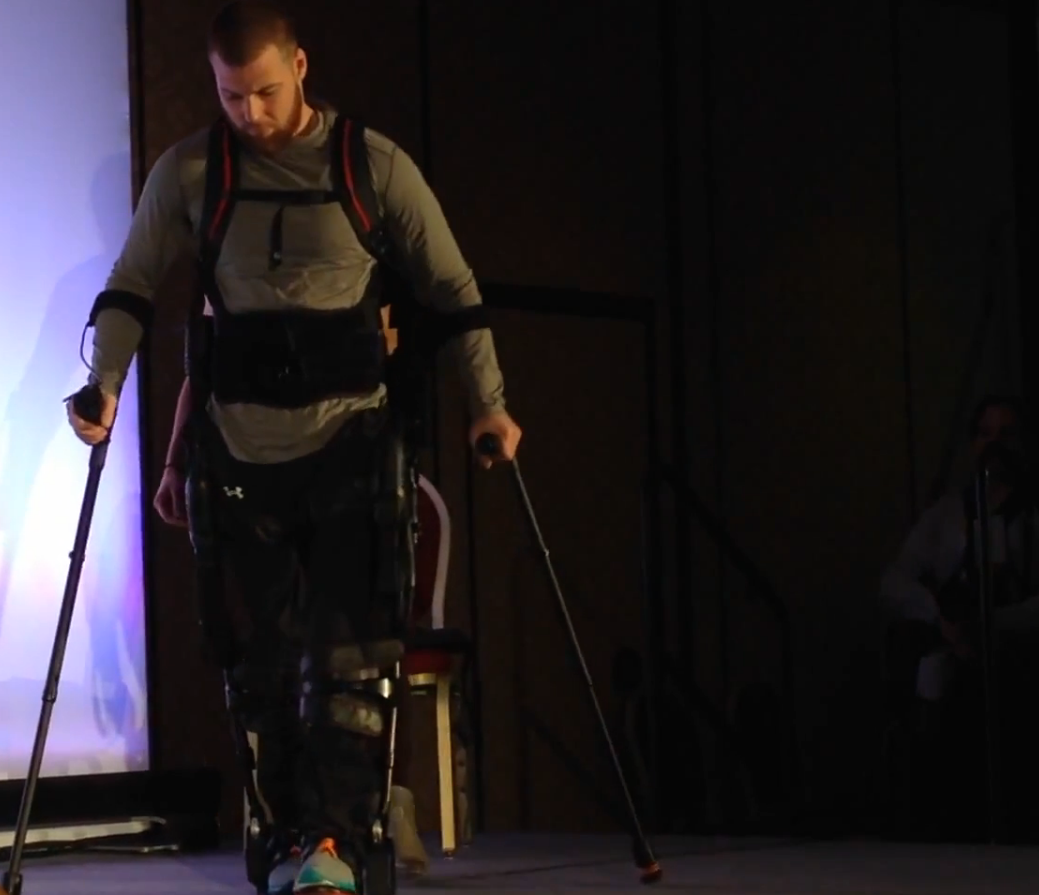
column 323, row 266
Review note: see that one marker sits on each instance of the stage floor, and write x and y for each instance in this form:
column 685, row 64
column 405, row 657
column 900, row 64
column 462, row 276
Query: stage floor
column 571, row 864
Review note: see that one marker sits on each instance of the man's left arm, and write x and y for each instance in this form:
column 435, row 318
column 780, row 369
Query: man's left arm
column 442, row 279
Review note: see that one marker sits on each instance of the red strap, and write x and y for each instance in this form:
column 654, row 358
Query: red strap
column 349, row 177
column 221, row 208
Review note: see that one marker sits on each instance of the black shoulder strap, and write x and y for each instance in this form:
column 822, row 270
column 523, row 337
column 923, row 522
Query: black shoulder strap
column 221, row 181
column 352, row 182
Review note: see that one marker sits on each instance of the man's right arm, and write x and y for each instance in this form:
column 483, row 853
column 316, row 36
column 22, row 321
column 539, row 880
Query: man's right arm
column 159, row 232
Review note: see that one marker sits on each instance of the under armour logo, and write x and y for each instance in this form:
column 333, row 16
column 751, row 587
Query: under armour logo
column 234, row 492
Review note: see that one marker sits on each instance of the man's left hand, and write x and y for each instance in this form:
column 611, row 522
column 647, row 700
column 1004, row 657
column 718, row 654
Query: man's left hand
column 502, row 427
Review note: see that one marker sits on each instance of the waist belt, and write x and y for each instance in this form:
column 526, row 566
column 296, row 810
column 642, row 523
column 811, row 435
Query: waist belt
column 292, row 359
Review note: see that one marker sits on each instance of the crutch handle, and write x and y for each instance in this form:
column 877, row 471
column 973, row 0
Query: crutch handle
column 489, row 445
column 87, row 404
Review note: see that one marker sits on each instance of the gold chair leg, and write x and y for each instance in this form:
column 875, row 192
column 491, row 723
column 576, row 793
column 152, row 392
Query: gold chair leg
column 445, row 759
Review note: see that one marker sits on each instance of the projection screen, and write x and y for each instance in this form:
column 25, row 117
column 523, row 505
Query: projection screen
column 66, row 182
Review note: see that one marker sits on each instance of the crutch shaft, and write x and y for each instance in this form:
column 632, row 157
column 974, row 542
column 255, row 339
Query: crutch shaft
column 489, row 446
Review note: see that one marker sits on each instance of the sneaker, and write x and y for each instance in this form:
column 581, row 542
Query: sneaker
column 323, row 870
column 411, row 853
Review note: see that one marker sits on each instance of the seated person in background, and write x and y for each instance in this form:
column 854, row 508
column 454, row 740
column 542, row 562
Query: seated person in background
column 931, row 590
column 933, row 581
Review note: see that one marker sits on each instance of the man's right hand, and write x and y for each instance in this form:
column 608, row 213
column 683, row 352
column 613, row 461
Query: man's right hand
column 169, row 499
column 92, row 433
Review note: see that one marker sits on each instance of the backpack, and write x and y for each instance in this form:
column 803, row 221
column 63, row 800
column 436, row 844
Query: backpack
column 414, row 333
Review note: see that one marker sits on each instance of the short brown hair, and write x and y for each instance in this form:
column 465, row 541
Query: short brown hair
column 243, row 29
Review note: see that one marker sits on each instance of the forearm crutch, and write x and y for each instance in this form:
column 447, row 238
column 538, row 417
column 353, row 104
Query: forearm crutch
column 488, row 445
column 87, row 405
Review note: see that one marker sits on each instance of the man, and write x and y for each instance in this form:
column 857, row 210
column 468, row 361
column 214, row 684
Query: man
column 292, row 508
column 931, row 580
column 931, row 595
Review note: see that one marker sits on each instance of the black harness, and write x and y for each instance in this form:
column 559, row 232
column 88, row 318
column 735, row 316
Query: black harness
column 287, row 358
column 292, row 358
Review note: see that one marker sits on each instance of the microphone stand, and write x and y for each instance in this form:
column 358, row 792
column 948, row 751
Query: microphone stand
column 983, row 558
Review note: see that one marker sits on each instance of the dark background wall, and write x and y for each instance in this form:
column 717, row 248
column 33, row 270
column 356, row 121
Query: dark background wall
column 812, row 202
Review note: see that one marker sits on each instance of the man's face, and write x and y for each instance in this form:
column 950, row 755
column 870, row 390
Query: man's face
column 264, row 99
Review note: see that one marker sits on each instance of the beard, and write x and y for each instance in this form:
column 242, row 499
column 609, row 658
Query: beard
column 273, row 139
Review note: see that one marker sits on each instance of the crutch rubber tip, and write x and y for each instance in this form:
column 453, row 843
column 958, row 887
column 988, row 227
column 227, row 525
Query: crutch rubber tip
column 651, row 874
